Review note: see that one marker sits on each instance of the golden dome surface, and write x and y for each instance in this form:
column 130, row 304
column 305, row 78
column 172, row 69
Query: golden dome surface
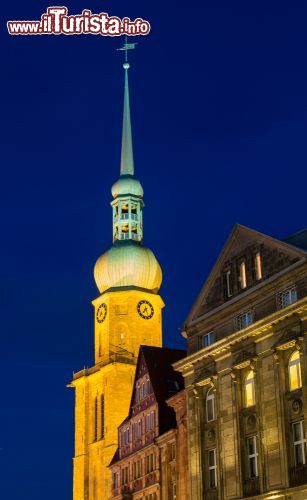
column 128, row 264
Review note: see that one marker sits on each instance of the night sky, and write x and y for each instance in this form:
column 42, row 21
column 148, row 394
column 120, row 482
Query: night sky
column 218, row 98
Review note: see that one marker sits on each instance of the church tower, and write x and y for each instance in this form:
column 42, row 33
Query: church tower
column 128, row 313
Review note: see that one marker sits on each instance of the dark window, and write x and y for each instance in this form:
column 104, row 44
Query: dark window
column 208, row 339
column 227, row 283
column 172, row 386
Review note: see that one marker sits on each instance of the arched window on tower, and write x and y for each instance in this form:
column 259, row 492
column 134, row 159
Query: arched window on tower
column 295, row 375
column 102, row 415
column 95, row 419
column 249, row 389
column 210, row 405
column 124, row 211
column 133, row 212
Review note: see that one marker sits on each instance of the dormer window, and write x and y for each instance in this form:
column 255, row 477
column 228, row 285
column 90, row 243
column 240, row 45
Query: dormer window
column 242, row 278
column 258, row 266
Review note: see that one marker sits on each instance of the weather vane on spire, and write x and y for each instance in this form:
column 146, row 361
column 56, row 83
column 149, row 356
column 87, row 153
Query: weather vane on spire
column 127, row 46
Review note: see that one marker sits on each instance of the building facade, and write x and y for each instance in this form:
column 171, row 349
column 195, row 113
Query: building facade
column 173, row 451
column 246, row 372
column 127, row 313
column 144, row 466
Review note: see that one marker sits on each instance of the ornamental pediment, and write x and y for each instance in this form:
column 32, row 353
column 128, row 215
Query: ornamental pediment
column 246, row 261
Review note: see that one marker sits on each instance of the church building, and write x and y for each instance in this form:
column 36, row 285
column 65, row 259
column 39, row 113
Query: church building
column 128, row 313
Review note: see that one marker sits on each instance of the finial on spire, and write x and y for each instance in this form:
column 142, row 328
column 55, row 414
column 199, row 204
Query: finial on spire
column 127, row 163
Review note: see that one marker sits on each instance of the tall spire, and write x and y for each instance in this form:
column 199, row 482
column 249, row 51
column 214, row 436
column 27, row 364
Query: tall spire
column 126, row 163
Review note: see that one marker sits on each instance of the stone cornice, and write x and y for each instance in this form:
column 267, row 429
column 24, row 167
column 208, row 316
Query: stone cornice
column 254, row 330
column 177, row 401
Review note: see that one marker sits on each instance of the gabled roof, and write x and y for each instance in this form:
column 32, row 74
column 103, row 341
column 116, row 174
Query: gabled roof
column 240, row 236
column 159, row 362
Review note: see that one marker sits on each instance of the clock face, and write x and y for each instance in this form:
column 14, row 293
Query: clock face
column 145, row 309
column 101, row 313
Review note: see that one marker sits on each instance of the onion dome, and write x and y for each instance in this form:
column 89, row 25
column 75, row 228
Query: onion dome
column 128, row 264
column 127, row 184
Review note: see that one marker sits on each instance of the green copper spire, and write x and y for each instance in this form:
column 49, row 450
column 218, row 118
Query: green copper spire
column 126, row 163
column 127, row 191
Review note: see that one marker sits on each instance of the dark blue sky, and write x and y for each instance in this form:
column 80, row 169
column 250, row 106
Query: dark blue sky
column 218, row 97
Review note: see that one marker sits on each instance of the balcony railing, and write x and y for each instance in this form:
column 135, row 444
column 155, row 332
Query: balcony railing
column 251, row 487
column 298, row 475
column 124, row 216
column 137, row 485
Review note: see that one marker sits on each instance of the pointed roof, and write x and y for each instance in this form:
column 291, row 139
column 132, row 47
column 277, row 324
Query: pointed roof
column 238, row 235
column 126, row 163
column 159, row 361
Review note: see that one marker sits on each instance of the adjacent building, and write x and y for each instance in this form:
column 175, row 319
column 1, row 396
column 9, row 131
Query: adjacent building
column 144, row 466
column 173, row 450
column 246, row 372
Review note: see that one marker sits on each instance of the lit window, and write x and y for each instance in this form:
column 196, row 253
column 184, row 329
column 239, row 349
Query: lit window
column 243, row 275
column 249, row 389
column 212, row 468
column 258, row 266
column 252, row 457
column 210, row 405
column 299, row 443
column 287, row 297
column 208, row 339
column 245, row 319
column 295, row 376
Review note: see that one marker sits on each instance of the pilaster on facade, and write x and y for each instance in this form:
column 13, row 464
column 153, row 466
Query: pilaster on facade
column 247, row 356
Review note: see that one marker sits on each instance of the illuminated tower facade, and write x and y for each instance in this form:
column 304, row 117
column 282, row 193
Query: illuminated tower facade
column 128, row 313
